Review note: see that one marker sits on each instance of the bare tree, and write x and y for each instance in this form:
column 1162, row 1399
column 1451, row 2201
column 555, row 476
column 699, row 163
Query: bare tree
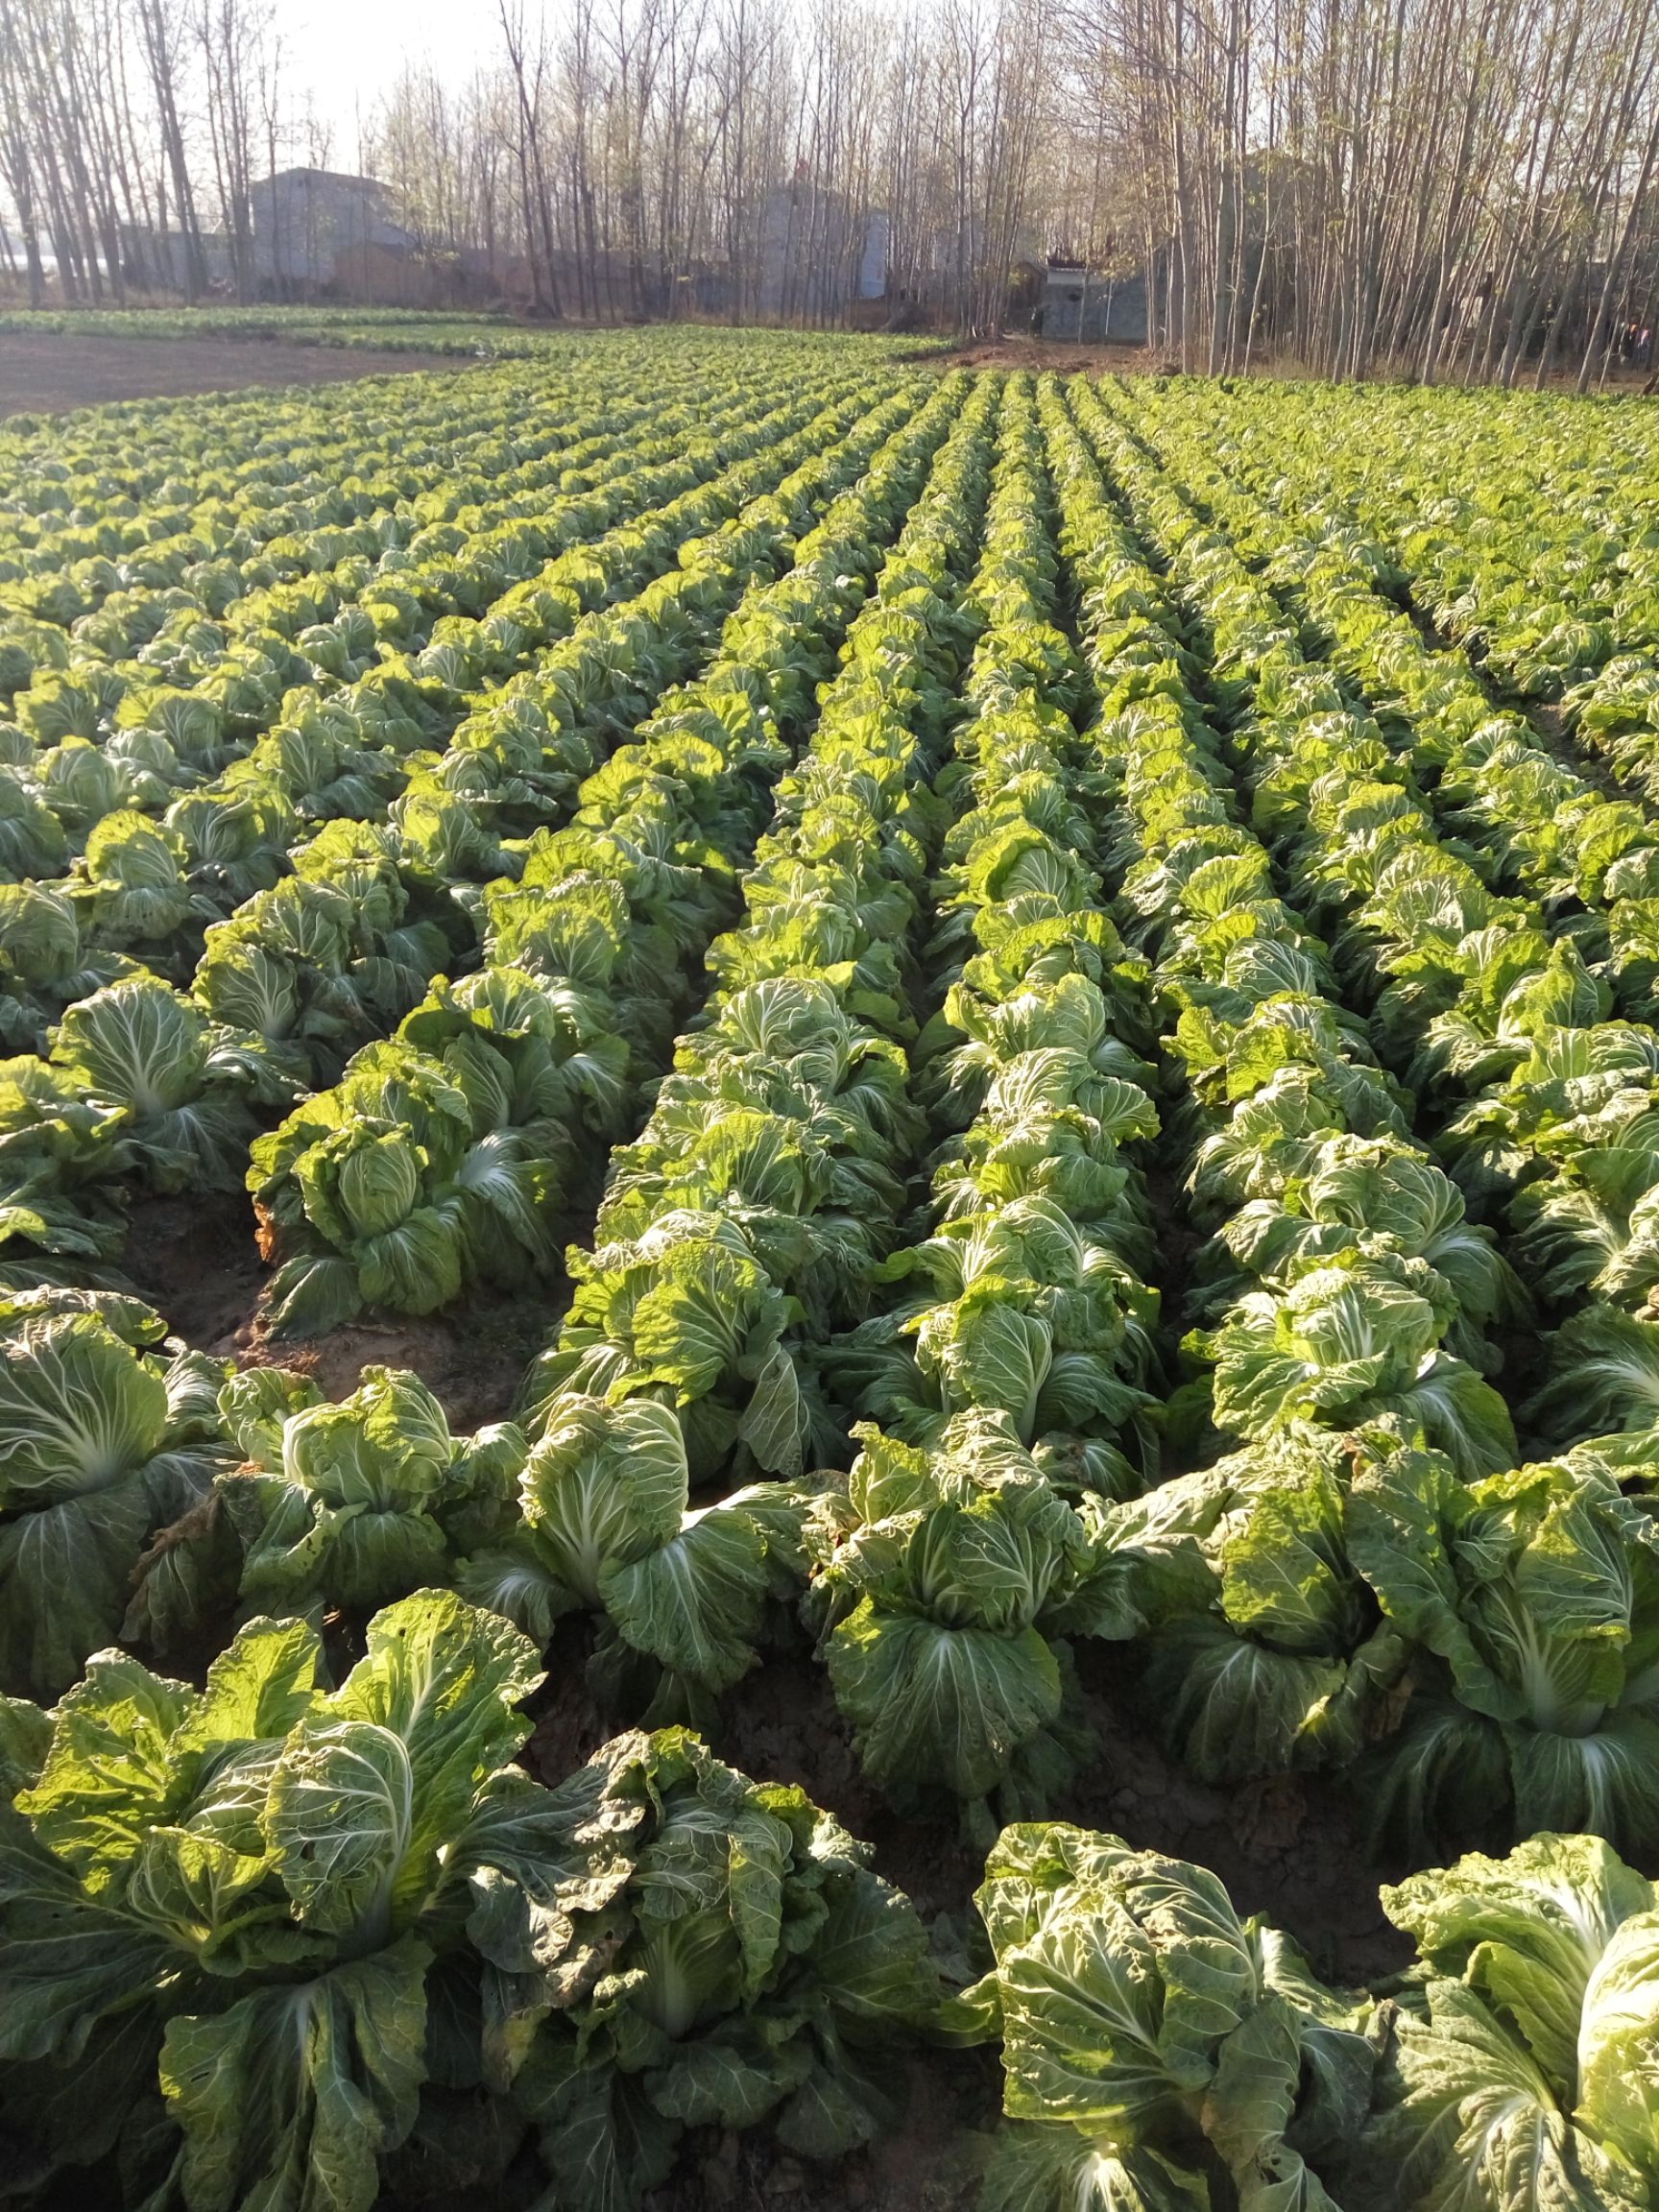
column 1440, row 189
column 163, row 31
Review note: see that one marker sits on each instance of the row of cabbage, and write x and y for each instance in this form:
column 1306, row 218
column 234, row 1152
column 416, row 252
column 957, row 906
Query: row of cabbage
column 371, row 613
column 444, row 1152
column 850, row 1962
column 364, row 576
column 336, row 935
column 735, row 1961
column 107, row 549
column 1474, row 900
column 678, row 808
column 1379, row 1300
column 1347, row 1288
column 1567, row 837
column 272, row 1942
column 1524, row 530
column 610, row 914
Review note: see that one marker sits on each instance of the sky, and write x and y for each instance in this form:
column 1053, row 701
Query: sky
column 347, row 54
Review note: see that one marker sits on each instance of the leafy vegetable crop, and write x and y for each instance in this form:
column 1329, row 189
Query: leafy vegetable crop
column 1026, row 1007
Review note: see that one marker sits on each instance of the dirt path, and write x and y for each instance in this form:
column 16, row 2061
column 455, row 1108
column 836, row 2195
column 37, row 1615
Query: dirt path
column 1122, row 360
column 46, row 373
column 1040, row 353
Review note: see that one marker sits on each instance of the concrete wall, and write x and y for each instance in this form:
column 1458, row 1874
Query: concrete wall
column 1084, row 309
column 307, row 220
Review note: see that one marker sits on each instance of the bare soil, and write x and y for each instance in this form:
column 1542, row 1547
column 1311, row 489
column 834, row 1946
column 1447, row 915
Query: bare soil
column 1052, row 353
column 196, row 1261
column 1065, row 358
column 1118, row 359
column 1292, row 1851
column 45, row 374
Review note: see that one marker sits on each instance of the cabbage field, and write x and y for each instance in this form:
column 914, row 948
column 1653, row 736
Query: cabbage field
column 830, row 1293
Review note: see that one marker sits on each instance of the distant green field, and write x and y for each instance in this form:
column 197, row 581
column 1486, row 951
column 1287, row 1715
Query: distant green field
column 379, row 328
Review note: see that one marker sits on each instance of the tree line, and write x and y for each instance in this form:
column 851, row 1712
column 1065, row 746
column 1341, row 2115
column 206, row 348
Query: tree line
column 1430, row 187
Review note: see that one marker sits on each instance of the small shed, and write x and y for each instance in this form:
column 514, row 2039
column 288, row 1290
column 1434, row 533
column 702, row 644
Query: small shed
column 307, row 220
column 1082, row 307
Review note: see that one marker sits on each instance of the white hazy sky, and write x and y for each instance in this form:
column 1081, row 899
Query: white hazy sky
column 347, row 54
